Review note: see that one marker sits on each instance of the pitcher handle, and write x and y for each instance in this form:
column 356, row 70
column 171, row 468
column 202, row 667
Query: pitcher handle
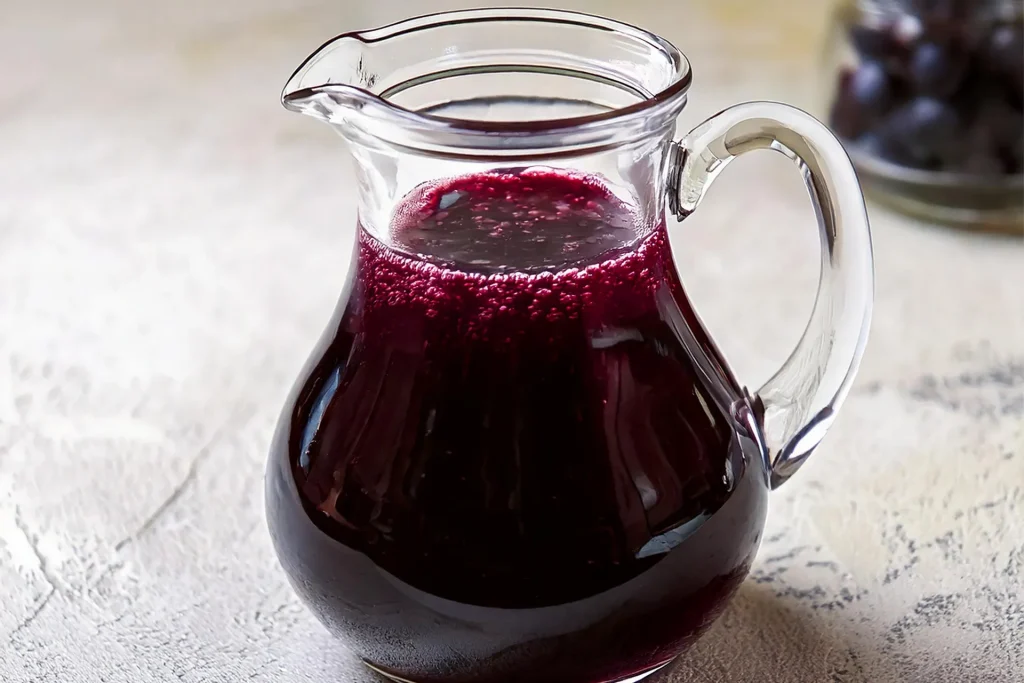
column 797, row 405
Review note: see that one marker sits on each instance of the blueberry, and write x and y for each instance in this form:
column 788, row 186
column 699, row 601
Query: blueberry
column 871, row 42
column 1006, row 57
column 873, row 144
column 936, row 10
column 878, row 144
column 934, row 120
column 907, row 30
column 926, row 127
column 937, row 70
column 847, row 116
column 1006, row 48
column 870, row 88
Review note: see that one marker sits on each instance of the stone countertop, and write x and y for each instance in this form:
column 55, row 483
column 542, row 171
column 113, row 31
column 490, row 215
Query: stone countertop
column 172, row 242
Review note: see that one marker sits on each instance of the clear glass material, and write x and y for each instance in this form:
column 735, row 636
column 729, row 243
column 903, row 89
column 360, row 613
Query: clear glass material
column 516, row 454
column 929, row 99
column 453, row 94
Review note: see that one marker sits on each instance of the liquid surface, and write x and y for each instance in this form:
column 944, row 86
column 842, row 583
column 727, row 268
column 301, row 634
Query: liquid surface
column 503, row 465
column 527, row 221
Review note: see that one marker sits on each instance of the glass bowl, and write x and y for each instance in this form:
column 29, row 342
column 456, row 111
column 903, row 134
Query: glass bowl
column 928, row 97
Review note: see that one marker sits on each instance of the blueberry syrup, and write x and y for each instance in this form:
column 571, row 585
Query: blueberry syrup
column 513, row 457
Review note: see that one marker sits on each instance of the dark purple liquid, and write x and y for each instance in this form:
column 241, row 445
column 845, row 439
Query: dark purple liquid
column 514, row 459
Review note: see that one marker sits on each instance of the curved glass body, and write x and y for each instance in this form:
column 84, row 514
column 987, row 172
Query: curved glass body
column 516, row 454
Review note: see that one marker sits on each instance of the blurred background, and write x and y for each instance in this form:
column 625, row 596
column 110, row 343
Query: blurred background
column 172, row 243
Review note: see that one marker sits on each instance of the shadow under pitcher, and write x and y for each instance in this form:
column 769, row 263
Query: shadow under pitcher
column 516, row 454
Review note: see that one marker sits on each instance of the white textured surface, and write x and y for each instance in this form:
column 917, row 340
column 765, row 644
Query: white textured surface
column 172, row 242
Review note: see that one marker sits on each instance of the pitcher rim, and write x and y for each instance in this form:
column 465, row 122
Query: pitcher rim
column 674, row 90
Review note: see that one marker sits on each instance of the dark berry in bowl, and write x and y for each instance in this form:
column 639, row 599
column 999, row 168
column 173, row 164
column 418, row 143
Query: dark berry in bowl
column 873, row 144
column 1006, row 48
column 1005, row 57
column 925, row 127
column 847, row 116
column 939, row 9
column 870, row 88
column 872, row 42
column 878, row 144
column 937, row 69
column 846, row 119
column 945, row 13
column 933, row 111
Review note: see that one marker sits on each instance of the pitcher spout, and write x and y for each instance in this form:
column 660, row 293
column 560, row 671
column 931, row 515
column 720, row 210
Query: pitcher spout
column 332, row 82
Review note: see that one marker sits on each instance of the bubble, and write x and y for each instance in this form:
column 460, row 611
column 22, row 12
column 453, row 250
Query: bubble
column 449, row 199
column 466, row 273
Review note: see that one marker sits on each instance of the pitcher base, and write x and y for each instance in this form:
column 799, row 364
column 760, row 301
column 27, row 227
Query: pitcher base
column 632, row 679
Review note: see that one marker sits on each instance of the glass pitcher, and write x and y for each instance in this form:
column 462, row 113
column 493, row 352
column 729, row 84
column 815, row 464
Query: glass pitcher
column 516, row 454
